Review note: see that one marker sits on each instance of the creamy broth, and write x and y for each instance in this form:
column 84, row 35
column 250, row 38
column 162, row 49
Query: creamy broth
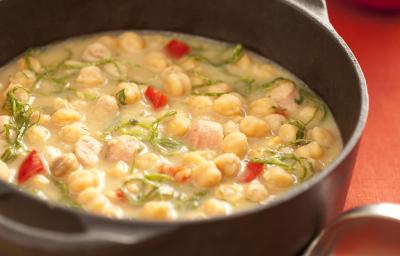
column 160, row 126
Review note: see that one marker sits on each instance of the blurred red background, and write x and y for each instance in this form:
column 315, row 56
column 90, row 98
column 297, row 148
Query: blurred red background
column 374, row 37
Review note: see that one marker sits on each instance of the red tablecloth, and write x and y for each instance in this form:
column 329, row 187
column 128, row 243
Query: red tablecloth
column 374, row 38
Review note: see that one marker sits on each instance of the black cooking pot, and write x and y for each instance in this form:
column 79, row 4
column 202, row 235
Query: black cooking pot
column 295, row 34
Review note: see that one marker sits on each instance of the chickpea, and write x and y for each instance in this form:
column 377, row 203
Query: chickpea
column 5, row 172
column 244, row 62
column 81, row 180
column 192, row 159
column 277, row 178
column 96, row 51
column 72, row 132
column 228, row 105
column 50, row 153
column 26, row 78
column 253, row 126
column 206, row 175
column 157, row 61
column 235, row 142
column 93, row 200
column 131, row 92
column 311, row 150
column 256, row 192
column 108, row 41
column 322, row 136
column 131, row 42
column 230, row 127
column 148, row 162
column 176, row 82
column 232, row 193
column 228, row 164
column 274, row 142
column 307, row 114
column 59, row 103
column 64, row 164
column 275, row 121
column 37, row 135
column 200, row 104
column 158, row 210
column 120, row 169
column 65, row 116
column 179, row 125
column 107, row 106
column 90, row 76
column 215, row 207
column 262, row 107
column 287, row 132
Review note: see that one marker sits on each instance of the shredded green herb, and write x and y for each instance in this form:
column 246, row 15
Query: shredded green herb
column 65, row 194
column 121, row 97
column 148, row 133
column 150, row 188
column 19, row 123
column 185, row 202
column 287, row 161
column 234, row 54
column 301, row 129
column 86, row 95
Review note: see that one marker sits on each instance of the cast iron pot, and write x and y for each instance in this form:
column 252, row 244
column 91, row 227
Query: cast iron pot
column 295, row 34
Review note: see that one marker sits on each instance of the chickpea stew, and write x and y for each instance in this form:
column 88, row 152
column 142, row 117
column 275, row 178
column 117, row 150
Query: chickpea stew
column 156, row 125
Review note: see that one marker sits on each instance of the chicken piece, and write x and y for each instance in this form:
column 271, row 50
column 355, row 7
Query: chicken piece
column 285, row 95
column 88, row 150
column 123, row 148
column 204, row 134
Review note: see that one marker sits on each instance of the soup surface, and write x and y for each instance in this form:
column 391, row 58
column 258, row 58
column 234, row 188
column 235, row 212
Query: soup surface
column 158, row 126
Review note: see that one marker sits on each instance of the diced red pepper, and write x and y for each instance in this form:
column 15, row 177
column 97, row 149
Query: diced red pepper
column 156, row 97
column 120, row 195
column 282, row 111
column 183, row 176
column 170, row 170
column 177, row 49
column 253, row 170
column 31, row 166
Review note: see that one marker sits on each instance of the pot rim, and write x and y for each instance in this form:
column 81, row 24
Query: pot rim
column 290, row 194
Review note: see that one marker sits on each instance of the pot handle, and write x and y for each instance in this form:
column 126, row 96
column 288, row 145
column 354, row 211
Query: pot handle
column 316, row 8
column 95, row 231
column 368, row 230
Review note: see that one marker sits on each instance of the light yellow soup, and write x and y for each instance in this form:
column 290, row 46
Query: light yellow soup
column 229, row 130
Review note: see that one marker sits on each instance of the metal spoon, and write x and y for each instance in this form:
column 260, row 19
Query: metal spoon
column 368, row 230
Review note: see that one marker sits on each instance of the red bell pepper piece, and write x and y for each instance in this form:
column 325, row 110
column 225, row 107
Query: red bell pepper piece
column 31, row 166
column 177, row 49
column 156, row 97
column 253, row 170
column 119, row 194
column 282, row 111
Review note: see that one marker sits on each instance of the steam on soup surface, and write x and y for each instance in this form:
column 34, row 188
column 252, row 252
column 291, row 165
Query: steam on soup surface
column 158, row 126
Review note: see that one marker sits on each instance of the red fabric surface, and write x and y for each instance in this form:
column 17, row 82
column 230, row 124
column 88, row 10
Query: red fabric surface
column 374, row 38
